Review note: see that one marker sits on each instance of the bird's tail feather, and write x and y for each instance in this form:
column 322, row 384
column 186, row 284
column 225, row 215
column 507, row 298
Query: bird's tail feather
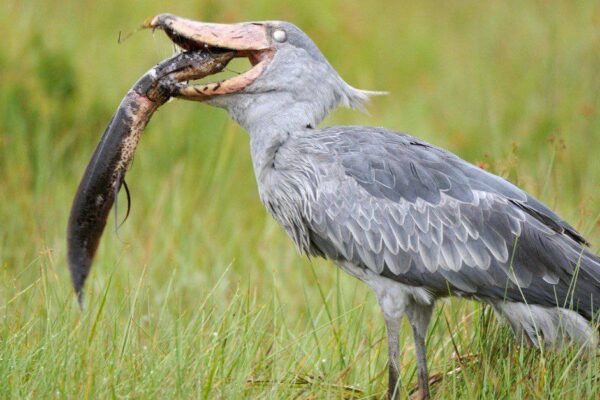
column 551, row 326
column 586, row 288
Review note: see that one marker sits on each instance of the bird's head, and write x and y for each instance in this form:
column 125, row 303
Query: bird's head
column 289, row 85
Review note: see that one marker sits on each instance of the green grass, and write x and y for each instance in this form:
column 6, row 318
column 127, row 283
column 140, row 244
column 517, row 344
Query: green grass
column 201, row 295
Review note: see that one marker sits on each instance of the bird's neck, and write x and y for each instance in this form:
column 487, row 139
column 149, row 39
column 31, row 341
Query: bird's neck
column 270, row 120
column 277, row 111
column 264, row 144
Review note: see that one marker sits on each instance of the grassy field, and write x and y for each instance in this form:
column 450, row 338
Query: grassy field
column 201, row 294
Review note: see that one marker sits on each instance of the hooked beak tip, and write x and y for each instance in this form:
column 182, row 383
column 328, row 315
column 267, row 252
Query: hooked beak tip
column 157, row 21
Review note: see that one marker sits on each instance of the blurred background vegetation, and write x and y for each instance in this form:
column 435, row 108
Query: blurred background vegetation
column 201, row 294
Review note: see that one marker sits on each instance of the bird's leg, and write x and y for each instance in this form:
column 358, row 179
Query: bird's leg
column 392, row 325
column 423, row 375
column 419, row 316
column 393, row 300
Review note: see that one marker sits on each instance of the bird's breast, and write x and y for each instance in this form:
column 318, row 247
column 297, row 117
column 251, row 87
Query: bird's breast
column 286, row 194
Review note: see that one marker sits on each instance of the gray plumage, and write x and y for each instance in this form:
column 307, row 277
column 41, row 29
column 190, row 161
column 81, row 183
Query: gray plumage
column 418, row 215
column 411, row 220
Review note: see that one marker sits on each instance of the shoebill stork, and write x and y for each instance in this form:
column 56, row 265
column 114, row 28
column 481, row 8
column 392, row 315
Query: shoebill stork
column 411, row 220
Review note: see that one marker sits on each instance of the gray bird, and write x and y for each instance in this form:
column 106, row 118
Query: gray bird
column 411, row 220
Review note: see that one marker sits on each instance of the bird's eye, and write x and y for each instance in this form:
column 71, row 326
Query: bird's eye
column 279, row 35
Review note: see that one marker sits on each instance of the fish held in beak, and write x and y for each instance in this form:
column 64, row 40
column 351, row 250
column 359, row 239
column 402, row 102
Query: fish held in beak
column 106, row 171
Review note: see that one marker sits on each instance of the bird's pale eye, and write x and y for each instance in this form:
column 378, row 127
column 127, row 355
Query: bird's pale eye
column 279, row 35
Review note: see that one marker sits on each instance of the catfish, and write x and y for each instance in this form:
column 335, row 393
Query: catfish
column 105, row 173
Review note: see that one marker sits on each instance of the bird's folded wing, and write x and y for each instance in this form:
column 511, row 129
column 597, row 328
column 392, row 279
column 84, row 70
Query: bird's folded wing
column 424, row 217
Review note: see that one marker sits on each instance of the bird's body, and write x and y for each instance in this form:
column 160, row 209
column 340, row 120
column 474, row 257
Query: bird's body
column 415, row 223
column 411, row 220
column 421, row 216
column 389, row 207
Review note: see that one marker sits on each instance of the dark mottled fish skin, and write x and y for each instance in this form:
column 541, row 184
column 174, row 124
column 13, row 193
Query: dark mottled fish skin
column 106, row 170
